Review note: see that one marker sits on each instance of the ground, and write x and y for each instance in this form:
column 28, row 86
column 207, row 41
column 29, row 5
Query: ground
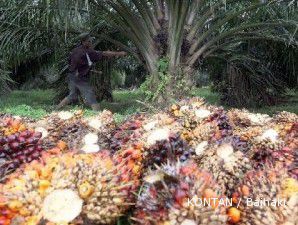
column 38, row 103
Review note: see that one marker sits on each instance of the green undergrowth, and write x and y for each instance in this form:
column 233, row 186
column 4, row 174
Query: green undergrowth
column 38, row 103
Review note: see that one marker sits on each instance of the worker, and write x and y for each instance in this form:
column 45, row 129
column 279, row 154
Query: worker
column 80, row 62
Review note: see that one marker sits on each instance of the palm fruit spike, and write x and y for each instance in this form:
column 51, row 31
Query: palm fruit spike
column 226, row 164
column 90, row 184
column 172, row 149
column 267, row 197
column 164, row 197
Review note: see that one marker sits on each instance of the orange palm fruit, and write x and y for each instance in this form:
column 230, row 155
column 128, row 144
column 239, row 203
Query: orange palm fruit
column 24, row 212
column 245, row 190
column 109, row 164
column 15, row 205
column 16, row 124
column 136, row 154
column 55, row 150
column 33, row 220
column 235, row 198
column 136, row 169
column 209, row 193
column 130, row 164
column 174, row 107
column 234, row 215
column 86, row 190
column 62, row 145
column 22, row 127
column 43, row 185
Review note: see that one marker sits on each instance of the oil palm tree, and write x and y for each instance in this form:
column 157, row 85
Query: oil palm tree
column 187, row 32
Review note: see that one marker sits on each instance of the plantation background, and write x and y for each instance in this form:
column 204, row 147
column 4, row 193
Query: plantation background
column 233, row 53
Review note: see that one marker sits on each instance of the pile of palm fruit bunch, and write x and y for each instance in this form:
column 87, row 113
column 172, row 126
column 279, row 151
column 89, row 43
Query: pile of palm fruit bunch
column 149, row 166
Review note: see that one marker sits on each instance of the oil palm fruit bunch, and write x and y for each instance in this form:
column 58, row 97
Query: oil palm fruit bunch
column 224, row 128
column 291, row 138
column 170, row 149
column 18, row 148
column 72, row 133
column 240, row 144
column 103, row 125
column 285, row 117
column 50, row 127
column 10, row 125
column 227, row 164
column 269, row 148
column 130, row 161
column 203, row 132
column 82, row 188
column 191, row 112
column 60, row 124
column 248, row 133
column 267, row 197
column 243, row 118
column 165, row 196
column 72, row 129
column 126, row 133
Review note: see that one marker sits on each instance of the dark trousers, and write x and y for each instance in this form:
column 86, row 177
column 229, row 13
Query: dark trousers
column 77, row 86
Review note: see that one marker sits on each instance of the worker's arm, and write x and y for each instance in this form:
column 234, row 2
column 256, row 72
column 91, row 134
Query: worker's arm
column 113, row 54
column 95, row 56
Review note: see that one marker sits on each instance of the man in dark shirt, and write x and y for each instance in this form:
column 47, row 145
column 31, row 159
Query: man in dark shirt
column 80, row 62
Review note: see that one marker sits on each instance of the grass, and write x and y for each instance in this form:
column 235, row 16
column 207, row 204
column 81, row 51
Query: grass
column 38, row 103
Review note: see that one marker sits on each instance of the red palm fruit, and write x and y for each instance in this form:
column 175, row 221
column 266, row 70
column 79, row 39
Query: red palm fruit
column 25, row 134
column 15, row 146
column 35, row 155
column 21, row 139
column 21, row 158
column 38, row 148
column 37, row 135
column 3, row 140
column 179, row 196
column 11, row 138
column 30, row 141
column 4, row 221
